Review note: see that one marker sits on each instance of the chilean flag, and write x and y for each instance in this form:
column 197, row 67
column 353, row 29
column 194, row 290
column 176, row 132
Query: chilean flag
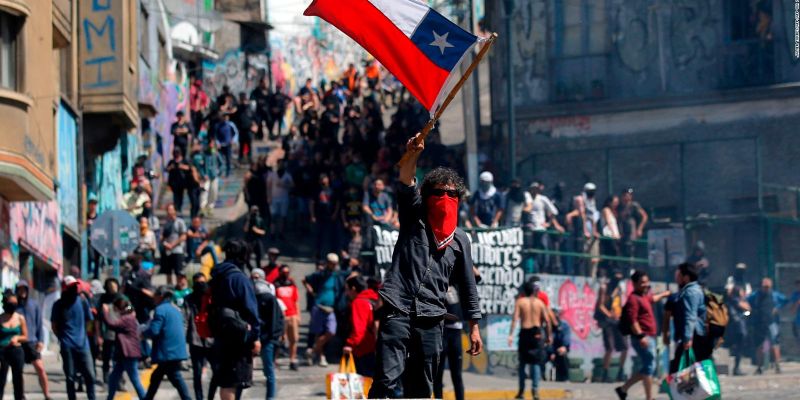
column 419, row 46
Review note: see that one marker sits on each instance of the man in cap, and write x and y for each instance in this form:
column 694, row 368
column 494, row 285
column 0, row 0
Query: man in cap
column 169, row 344
column 70, row 315
column 430, row 254
column 326, row 287
column 33, row 347
column 487, row 203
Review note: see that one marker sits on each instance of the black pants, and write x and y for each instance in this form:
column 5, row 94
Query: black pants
column 400, row 336
column 14, row 358
column 172, row 369
column 107, row 354
column 199, row 357
column 702, row 346
column 78, row 360
column 452, row 351
column 257, row 247
column 561, row 365
column 194, row 201
column 177, row 197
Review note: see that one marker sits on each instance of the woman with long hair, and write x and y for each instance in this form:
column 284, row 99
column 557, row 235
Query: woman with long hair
column 128, row 350
column 13, row 332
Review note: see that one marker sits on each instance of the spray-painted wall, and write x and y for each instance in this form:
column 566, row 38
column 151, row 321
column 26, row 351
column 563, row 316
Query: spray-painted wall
column 68, row 190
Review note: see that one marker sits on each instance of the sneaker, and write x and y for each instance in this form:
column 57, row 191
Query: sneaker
column 623, row 395
column 520, row 395
column 535, row 393
column 310, row 357
column 777, row 369
column 759, row 371
column 322, row 361
column 293, row 366
column 738, row 372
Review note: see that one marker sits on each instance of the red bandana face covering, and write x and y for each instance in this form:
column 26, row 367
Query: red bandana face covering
column 443, row 219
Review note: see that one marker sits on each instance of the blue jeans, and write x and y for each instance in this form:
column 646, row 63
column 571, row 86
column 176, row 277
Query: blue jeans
column 226, row 155
column 268, row 359
column 78, row 360
column 647, row 355
column 536, row 375
column 131, row 367
column 172, row 370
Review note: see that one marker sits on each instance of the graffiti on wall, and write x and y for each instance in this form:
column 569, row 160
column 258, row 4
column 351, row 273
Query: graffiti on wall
column 67, row 168
column 498, row 256
column 36, row 227
column 101, row 51
column 108, row 179
column 230, row 70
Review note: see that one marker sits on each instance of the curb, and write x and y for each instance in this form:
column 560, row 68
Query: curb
column 508, row 394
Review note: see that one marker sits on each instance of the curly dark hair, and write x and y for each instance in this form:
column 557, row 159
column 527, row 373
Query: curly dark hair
column 442, row 176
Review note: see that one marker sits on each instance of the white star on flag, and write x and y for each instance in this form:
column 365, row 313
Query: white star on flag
column 440, row 41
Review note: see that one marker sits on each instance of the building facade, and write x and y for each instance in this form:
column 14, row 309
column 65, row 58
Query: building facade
column 692, row 103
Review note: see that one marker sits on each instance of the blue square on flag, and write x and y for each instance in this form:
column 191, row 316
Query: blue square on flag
column 442, row 41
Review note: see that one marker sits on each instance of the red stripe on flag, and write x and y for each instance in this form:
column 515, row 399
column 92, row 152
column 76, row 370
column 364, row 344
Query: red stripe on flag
column 376, row 33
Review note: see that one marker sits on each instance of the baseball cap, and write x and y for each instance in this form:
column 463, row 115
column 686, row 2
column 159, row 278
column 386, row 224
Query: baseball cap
column 486, row 176
column 273, row 250
column 589, row 186
column 741, row 266
column 22, row 283
column 332, row 258
column 70, row 280
column 258, row 273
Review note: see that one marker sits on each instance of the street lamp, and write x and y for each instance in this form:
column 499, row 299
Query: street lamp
column 512, row 129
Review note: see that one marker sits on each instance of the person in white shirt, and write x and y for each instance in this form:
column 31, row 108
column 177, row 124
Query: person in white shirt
column 542, row 213
column 279, row 186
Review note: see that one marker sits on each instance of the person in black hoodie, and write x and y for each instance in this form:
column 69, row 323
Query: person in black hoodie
column 199, row 347
column 234, row 321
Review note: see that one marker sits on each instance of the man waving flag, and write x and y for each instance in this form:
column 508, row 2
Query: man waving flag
column 419, row 46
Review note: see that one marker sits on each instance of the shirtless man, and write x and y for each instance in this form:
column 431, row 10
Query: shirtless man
column 532, row 313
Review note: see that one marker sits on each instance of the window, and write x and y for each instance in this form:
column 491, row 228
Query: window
column 581, row 27
column 162, row 58
column 9, row 50
column 750, row 19
column 144, row 34
column 65, row 71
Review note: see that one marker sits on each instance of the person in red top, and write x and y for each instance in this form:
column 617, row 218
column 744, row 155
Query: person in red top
column 638, row 313
column 363, row 336
column 286, row 292
column 272, row 269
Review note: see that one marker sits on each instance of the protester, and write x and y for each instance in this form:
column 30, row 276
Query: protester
column 213, row 162
column 487, row 204
column 278, row 102
column 689, row 316
column 271, row 316
column 169, row 348
column 363, row 331
column 532, row 315
column 326, row 287
column 607, row 313
column 542, row 213
column 236, row 326
column 279, row 185
column 413, row 326
column 377, row 204
column 197, row 238
column 640, row 321
column 173, row 240
column 111, row 291
column 179, row 178
column 181, row 132
column 69, row 317
column 324, row 209
column 148, row 245
column 226, row 132
column 767, row 303
column 195, row 180
column 559, row 350
column 286, row 292
column 199, row 346
column 255, row 232
column 198, row 103
column 13, row 335
column 128, row 349
column 632, row 220
column 609, row 246
column 31, row 311
column 181, row 290
column 737, row 330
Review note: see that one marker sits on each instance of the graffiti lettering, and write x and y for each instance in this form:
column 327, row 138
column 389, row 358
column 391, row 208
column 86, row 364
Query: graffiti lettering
column 108, row 25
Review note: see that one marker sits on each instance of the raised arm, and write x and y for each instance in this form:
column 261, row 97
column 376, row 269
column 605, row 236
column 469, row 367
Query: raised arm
column 408, row 165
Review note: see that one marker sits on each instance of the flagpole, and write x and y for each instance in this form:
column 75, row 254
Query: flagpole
column 428, row 126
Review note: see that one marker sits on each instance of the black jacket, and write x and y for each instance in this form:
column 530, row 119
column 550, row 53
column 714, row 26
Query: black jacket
column 418, row 279
column 271, row 317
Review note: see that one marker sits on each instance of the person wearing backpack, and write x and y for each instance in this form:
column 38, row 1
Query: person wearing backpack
column 234, row 321
column 767, row 303
column 639, row 321
column 169, row 348
column 199, row 344
column 689, row 316
column 272, row 321
column 363, row 334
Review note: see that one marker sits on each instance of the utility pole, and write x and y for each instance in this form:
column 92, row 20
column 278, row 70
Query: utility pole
column 469, row 102
column 511, row 116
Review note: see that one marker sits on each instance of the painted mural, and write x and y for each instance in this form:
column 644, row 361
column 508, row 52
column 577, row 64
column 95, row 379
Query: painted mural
column 108, row 179
column 36, row 227
column 68, row 191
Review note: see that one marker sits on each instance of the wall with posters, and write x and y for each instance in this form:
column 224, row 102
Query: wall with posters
column 498, row 255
